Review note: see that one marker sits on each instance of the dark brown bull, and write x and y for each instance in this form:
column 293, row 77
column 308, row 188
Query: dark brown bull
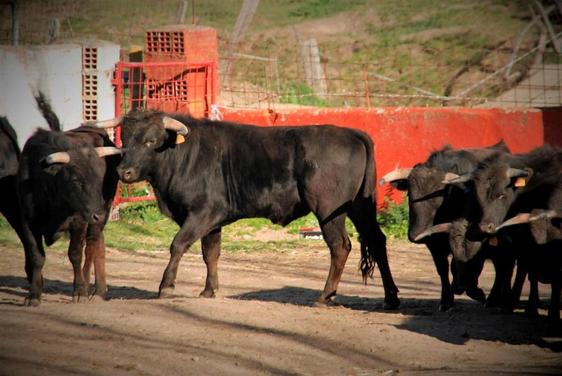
column 65, row 184
column 208, row 174
column 9, row 161
column 505, row 186
column 435, row 198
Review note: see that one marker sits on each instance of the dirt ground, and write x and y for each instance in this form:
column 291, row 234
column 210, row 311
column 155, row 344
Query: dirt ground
column 262, row 321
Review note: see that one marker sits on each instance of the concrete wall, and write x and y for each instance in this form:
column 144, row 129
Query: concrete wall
column 406, row 136
column 56, row 70
column 16, row 97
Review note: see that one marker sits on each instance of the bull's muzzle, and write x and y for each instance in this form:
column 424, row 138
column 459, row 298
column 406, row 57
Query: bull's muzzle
column 127, row 175
column 488, row 228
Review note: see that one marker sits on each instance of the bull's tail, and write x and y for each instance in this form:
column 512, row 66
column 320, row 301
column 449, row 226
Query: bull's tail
column 47, row 112
column 364, row 214
column 373, row 248
column 368, row 242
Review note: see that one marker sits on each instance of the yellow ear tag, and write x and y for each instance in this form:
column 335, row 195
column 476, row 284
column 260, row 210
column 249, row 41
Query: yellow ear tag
column 493, row 241
column 520, row 182
column 180, row 139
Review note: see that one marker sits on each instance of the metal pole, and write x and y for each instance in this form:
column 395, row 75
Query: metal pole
column 15, row 23
column 193, row 12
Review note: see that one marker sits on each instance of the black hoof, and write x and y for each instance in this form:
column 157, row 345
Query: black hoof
column 31, row 302
column 531, row 312
column 207, row 294
column 457, row 290
column 80, row 298
column 444, row 307
column 391, row 303
column 326, row 304
column 476, row 294
column 98, row 294
column 166, row 292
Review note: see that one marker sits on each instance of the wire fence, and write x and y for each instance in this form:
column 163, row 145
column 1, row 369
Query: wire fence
column 533, row 78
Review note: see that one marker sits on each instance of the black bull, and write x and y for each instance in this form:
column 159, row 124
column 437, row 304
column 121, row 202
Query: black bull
column 208, row 174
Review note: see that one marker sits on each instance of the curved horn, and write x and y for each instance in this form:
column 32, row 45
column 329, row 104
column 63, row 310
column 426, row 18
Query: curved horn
column 58, row 157
column 175, row 125
column 396, row 174
column 516, row 172
column 105, row 151
column 104, row 124
column 517, row 220
column 546, row 214
column 441, row 227
column 452, row 178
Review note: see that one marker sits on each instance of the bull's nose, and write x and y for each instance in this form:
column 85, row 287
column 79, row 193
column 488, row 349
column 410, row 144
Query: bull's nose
column 488, row 228
column 126, row 174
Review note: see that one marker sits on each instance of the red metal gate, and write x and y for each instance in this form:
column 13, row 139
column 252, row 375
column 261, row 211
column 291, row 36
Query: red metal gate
column 166, row 86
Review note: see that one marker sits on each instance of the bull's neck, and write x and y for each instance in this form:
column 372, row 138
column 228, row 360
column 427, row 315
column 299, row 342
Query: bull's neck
column 171, row 163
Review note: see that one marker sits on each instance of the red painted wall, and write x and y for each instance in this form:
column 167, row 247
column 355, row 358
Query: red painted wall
column 406, row 136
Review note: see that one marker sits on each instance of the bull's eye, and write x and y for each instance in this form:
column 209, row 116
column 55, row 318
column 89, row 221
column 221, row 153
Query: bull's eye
column 149, row 143
column 501, row 196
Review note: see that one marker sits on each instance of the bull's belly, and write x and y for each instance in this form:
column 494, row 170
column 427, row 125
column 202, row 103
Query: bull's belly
column 280, row 212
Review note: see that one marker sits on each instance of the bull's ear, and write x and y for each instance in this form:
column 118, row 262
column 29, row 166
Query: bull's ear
column 52, row 163
column 401, row 184
column 519, row 177
column 52, row 169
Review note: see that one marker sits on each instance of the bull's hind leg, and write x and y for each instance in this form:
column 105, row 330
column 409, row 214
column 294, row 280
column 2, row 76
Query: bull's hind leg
column 211, row 247
column 75, row 247
column 338, row 241
column 95, row 253
column 35, row 255
column 373, row 249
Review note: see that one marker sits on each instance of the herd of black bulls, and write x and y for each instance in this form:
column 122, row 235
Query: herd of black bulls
column 472, row 203
column 489, row 203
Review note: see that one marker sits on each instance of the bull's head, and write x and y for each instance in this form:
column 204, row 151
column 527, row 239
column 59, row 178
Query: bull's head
column 144, row 134
column 78, row 174
column 427, row 189
column 497, row 185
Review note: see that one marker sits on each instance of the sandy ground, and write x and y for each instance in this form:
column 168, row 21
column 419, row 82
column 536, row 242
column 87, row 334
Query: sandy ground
column 262, row 321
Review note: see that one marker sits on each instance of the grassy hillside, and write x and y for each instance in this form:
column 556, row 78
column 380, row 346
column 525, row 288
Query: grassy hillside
column 385, row 47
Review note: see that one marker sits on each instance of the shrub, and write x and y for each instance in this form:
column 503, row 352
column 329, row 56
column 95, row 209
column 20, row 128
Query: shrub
column 394, row 220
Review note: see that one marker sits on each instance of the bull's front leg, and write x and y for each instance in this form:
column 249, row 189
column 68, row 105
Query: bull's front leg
column 440, row 259
column 211, row 248
column 194, row 227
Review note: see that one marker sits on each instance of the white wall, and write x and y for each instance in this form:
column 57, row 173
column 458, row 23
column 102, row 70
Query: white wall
column 56, row 70
column 17, row 102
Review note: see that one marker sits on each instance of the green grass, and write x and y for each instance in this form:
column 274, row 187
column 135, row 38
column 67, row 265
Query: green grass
column 142, row 228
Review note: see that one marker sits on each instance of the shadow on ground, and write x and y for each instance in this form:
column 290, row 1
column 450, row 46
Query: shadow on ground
column 467, row 320
column 12, row 284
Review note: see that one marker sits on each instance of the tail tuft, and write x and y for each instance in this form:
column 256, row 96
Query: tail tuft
column 367, row 262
